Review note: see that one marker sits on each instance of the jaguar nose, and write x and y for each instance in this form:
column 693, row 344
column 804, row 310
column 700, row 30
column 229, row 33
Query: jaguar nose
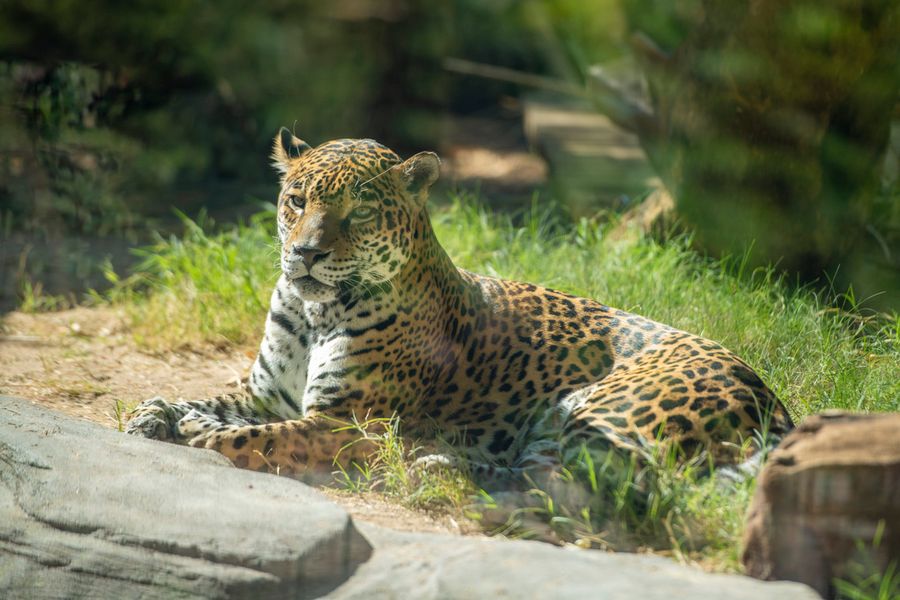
column 310, row 256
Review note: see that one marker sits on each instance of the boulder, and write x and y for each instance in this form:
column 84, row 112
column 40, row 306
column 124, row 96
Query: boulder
column 825, row 492
column 430, row 566
column 87, row 512
column 90, row 512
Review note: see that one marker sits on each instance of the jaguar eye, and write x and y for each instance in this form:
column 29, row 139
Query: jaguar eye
column 296, row 202
column 362, row 213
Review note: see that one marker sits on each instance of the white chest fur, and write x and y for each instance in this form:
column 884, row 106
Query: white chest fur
column 324, row 372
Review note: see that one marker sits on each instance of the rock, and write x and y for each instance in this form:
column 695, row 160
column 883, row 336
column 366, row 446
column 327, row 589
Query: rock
column 90, row 512
column 823, row 492
column 435, row 566
column 87, row 512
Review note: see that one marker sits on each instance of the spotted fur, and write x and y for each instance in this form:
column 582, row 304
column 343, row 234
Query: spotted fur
column 370, row 319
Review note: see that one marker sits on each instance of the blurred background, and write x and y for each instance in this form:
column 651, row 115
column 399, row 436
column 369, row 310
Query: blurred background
column 769, row 129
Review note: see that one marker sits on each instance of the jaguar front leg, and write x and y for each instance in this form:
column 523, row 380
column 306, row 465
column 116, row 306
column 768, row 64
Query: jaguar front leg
column 157, row 419
column 305, row 448
column 179, row 422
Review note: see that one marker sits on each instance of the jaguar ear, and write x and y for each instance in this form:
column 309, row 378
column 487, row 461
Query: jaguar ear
column 418, row 172
column 287, row 148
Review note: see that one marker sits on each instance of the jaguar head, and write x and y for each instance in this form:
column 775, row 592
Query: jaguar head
column 348, row 213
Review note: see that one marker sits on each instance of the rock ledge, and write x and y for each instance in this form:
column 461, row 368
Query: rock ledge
column 90, row 512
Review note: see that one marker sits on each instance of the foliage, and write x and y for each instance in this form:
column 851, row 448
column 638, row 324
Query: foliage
column 114, row 113
column 769, row 124
column 111, row 114
column 34, row 300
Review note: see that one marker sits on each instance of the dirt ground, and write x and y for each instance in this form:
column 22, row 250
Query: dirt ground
column 81, row 361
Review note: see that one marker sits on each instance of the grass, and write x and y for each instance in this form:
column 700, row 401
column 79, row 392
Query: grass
column 33, row 299
column 201, row 288
column 206, row 288
column 391, row 471
column 865, row 578
column 120, row 410
column 665, row 507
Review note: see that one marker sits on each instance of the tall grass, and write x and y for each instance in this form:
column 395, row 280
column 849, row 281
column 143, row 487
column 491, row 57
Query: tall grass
column 391, row 471
column 659, row 503
column 202, row 288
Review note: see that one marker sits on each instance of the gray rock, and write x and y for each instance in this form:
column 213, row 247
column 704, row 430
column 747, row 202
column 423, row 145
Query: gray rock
column 434, row 566
column 90, row 512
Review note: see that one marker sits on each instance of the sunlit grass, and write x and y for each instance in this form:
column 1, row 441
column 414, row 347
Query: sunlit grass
column 206, row 288
column 201, row 288
column 392, row 471
column 619, row 503
column 33, row 299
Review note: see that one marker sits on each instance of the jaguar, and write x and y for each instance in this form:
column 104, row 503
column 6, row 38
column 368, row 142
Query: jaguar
column 370, row 320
